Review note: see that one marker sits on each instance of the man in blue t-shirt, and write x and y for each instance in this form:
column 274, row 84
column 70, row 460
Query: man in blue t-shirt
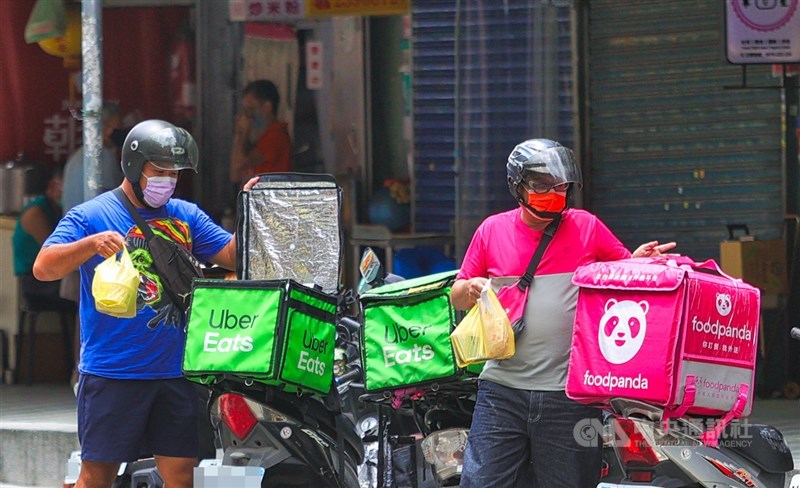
column 131, row 394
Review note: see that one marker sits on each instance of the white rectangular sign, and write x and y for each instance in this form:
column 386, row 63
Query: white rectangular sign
column 762, row 31
column 313, row 65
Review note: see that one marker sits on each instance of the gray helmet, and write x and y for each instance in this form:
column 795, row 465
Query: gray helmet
column 168, row 147
column 539, row 165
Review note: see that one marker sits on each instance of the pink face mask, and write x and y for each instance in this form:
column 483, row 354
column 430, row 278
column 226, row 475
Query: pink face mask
column 159, row 190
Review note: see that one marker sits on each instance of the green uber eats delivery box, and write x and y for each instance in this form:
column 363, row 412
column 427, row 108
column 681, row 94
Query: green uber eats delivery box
column 405, row 340
column 276, row 332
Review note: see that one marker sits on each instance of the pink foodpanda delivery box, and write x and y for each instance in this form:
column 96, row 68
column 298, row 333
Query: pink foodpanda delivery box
column 666, row 331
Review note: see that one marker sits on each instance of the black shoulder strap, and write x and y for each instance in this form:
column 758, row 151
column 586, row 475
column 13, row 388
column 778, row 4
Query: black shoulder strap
column 161, row 268
column 123, row 198
column 527, row 278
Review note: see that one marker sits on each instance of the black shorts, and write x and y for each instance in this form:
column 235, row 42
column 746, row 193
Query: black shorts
column 122, row 420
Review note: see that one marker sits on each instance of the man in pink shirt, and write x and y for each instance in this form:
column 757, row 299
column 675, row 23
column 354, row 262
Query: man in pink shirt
column 523, row 425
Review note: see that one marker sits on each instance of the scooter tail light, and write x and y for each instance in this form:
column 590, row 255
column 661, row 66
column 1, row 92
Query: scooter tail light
column 235, row 412
column 634, row 448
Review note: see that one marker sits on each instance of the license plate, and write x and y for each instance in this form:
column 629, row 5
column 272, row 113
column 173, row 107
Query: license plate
column 615, row 485
column 212, row 472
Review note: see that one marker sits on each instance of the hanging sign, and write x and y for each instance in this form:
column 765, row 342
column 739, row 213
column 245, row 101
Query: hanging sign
column 762, row 31
column 331, row 8
column 265, row 10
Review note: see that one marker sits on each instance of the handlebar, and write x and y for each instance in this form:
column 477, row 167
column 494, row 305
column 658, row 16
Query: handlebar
column 343, row 382
column 350, row 324
column 795, row 333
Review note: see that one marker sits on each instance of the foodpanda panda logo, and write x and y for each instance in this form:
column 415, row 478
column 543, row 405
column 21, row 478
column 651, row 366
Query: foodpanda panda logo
column 622, row 330
column 724, row 304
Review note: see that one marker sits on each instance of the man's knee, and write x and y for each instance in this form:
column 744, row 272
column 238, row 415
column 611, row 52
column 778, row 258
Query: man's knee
column 97, row 475
column 176, row 472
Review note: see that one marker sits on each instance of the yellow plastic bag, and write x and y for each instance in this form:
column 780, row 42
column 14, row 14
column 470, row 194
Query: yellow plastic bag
column 485, row 333
column 115, row 285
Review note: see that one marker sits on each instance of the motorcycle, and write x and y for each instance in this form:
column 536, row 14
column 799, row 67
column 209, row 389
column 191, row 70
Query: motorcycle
column 281, row 438
column 430, row 420
column 639, row 451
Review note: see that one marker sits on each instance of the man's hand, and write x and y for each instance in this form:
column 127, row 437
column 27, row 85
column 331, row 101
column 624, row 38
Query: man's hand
column 652, row 249
column 108, row 243
column 465, row 293
column 242, row 126
column 250, row 183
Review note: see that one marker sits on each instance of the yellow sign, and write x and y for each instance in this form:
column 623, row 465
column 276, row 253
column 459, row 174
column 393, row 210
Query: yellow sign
column 331, row 8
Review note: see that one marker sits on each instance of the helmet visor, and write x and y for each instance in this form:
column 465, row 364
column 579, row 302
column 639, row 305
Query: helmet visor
column 550, row 168
column 171, row 149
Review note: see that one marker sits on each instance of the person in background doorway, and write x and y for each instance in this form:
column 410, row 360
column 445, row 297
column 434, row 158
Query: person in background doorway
column 522, row 431
column 110, row 171
column 261, row 143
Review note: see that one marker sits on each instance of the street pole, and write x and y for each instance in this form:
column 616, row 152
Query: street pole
column 92, row 53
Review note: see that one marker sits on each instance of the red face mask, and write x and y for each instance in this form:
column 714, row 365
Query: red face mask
column 552, row 202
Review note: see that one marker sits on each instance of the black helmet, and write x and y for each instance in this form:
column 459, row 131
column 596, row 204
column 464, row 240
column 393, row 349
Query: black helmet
column 166, row 146
column 539, row 165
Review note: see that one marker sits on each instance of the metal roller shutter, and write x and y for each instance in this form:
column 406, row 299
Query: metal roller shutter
column 674, row 155
column 486, row 76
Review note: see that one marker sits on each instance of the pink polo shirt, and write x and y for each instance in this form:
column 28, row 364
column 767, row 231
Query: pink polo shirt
column 502, row 247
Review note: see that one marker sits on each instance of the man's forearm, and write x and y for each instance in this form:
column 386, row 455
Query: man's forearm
column 58, row 260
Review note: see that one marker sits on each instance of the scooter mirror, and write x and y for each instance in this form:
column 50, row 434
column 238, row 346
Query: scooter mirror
column 370, row 265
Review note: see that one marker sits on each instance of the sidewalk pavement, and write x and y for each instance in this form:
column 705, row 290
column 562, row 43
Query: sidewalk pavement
column 52, row 408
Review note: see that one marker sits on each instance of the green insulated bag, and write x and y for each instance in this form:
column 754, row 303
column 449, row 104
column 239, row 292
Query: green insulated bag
column 405, row 339
column 276, row 332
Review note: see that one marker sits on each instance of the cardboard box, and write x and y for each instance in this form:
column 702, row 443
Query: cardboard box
column 759, row 263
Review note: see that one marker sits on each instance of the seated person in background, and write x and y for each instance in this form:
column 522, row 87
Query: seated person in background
column 261, row 143
column 35, row 223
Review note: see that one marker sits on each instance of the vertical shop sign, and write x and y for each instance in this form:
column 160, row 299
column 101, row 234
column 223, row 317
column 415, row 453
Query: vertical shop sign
column 266, row 10
column 313, row 65
column 762, row 31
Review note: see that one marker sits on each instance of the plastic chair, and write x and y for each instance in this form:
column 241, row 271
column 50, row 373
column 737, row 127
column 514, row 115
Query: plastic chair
column 30, row 306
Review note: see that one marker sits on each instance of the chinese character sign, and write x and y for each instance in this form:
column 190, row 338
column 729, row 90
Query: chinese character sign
column 62, row 134
column 266, row 10
column 313, row 65
column 762, row 31
column 284, row 10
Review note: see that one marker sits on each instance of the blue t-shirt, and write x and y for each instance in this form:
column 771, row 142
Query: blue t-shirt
column 146, row 346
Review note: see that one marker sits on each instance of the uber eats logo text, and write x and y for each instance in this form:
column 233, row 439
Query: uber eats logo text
column 398, row 334
column 310, row 363
column 225, row 319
